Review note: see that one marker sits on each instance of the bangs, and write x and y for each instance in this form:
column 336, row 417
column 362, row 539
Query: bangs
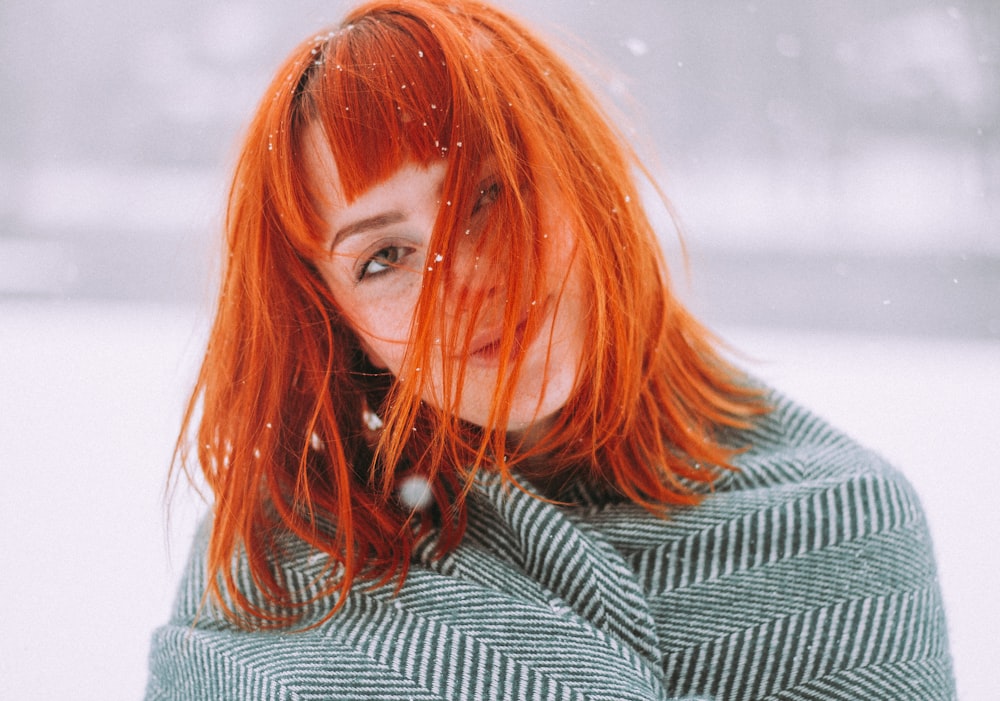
column 389, row 88
column 392, row 87
column 381, row 91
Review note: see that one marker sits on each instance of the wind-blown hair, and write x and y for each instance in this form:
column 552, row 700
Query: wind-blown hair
column 276, row 417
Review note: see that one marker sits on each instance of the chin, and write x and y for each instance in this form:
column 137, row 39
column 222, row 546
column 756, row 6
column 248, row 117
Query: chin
column 526, row 414
column 535, row 417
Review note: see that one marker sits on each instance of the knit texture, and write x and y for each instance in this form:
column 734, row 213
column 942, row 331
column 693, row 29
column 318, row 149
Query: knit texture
column 807, row 574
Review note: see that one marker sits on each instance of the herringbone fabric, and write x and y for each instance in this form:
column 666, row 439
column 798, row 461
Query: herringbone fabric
column 807, row 574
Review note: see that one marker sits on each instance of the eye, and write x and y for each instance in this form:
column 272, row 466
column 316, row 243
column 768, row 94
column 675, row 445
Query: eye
column 489, row 193
column 382, row 261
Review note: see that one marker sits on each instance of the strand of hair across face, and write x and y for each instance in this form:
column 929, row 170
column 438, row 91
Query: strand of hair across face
column 424, row 81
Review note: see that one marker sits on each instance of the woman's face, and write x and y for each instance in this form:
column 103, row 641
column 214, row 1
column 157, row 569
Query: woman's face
column 378, row 252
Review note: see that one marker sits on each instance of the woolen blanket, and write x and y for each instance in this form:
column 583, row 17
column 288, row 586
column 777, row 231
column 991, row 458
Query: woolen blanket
column 806, row 574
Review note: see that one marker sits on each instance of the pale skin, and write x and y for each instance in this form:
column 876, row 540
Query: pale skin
column 379, row 248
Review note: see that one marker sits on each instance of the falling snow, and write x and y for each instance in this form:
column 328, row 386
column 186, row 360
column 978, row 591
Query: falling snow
column 316, row 443
column 636, row 46
column 415, row 492
column 372, row 420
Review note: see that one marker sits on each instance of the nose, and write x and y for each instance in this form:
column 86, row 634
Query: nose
column 473, row 277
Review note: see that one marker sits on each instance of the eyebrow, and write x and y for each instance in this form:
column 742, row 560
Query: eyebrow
column 367, row 224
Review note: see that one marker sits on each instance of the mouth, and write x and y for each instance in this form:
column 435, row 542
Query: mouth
column 489, row 350
column 486, row 347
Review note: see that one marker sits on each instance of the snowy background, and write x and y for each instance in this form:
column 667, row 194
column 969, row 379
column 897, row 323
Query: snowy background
column 836, row 165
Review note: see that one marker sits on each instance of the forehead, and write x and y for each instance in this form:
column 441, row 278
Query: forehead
column 410, row 190
column 320, row 169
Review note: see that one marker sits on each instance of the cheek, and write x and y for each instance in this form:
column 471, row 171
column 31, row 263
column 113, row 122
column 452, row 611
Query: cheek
column 381, row 321
column 383, row 329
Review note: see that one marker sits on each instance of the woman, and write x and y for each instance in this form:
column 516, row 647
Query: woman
column 463, row 441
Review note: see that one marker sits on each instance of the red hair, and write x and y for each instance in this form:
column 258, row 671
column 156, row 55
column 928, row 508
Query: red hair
column 279, row 400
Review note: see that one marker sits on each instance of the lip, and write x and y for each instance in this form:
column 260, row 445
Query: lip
column 486, row 346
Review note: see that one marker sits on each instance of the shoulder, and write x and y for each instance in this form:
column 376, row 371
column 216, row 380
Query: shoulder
column 473, row 624
column 791, row 444
column 815, row 547
column 795, row 461
column 201, row 654
column 798, row 484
